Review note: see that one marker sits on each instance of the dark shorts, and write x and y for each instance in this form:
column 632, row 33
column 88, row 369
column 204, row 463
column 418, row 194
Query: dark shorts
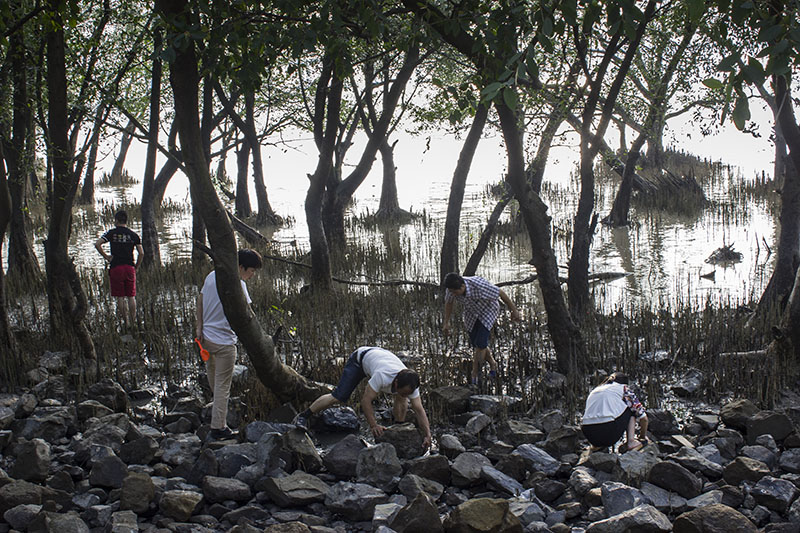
column 479, row 336
column 123, row 280
column 608, row 433
column 351, row 377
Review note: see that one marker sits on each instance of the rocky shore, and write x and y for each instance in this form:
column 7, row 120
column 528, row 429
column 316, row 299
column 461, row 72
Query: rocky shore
column 105, row 463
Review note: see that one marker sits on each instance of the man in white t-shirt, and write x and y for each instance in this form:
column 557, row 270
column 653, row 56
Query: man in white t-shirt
column 218, row 338
column 385, row 373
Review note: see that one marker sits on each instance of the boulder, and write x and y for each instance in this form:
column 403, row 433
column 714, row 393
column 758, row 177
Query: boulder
column 735, row 413
column 711, row 519
column 537, row 459
column 435, row 467
column 32, row 461
column 220, row 489
column 744, row 469
column 789, row 461
column 634, row 467
column 182, row 449
column 140, row 451
column 342, row 459
column 477, row 423
column 492, row 405
column 519, row 432
column 179, row 505
column 562, row 440
column 662, row 422
column 49, row 522
column 412, row 485
column 776, row 424
column 296, row 489
column 694, row 461
column 111, row 394
column 466, row 469
column 138, row 490
column 641, row 519
column 379, row 466
column 663, row 500
column 450, row 446
column 774, row 494
column 405, row 438
column 337, row 419
column 123, row 522
column 91, row 409
column 453, row 400
column 18, row 493
column 303, row 452
column 675, row 478
column 420, row 514
column 581, row 480
column 354, row 501
column 689, row 383
column 501, row 482
column 108, row 472
column 483, row 515
column 618, row 498
column 20, row 516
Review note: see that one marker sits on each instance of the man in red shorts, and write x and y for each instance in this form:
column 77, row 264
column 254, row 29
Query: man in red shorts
column 122, row 273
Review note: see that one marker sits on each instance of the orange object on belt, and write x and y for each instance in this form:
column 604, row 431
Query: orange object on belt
column 203, row 352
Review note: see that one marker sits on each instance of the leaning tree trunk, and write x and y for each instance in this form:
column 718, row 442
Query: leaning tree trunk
column 265, row 213
column 9, row 362
column 282, row 380
column 243, row 209
column 124, row 144
column 67, row 301
column 150, row 246
column 622, row 201
column 452, row 224
column 566, row 337
column 87, row 191
column 22, row 261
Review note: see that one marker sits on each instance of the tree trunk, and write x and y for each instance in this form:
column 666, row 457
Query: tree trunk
column 566, row 337
column 282, row 380
column 452, row 224
column 10, row 360
column 243, row 209
column 67, row 301
column 486, row 236
column 168, row 170
column 265, row 213
column 87, row 191
column 389, row 205
column 150, row 246
column 622, row 201
column 124, row 144
column 22, row 261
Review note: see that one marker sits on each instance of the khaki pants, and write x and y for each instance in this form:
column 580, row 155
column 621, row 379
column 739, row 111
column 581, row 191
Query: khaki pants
column 219, row 368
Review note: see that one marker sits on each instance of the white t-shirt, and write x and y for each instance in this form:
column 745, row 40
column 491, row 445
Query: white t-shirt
column 604, row 404
column 216, row 327
column 381, row 367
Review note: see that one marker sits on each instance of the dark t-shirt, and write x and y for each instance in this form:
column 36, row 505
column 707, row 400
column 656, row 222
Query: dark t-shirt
column 123, row 241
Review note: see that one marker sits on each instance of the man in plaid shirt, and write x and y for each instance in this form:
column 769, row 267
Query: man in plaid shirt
column 479, row 300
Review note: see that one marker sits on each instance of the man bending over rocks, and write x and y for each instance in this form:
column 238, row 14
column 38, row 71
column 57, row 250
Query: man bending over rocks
column 386, row 373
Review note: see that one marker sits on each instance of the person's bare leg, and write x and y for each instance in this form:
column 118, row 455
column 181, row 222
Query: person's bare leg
column 477, row 362
column 132, row 309
column 491, row 360
column 122, row 311
column 631, row 441
column 323, row 402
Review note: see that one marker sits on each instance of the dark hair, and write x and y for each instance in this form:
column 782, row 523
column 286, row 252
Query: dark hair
column 617, row 377
column 250, row 259
column 121, row 216
column 407, row 378
column 453, row 281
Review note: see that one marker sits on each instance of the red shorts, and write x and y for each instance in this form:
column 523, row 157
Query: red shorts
column 123, row 280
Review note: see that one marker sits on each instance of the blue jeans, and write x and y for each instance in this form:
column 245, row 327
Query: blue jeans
column 351, row 377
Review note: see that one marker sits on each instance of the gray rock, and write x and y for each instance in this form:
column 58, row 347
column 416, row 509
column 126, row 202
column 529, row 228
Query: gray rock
column 537, row 459
column 54, row 361
column 49, row 522
column 527, row 512
column 342, row 459
column 450, row 446
column 602, row 461
column 85, row 500
column 138, row 490
column 18, row 493
column 662, row 422
column 716, row 517
column 251, row 474
column 774, row 494
column 233, row 457
column 123, row 522
column 354, row 501
column 744, row 469
column 549, row 420
column 435, row 467
column 466, row 469
column 205, row 465
column 483, row 514
column 519, row 432
column 111, row 394
column 675, row 478
column 581, row 480
column 303, row 452
column 91, row 409
column 139, row 452
column 179, row 505
column 405, row 438
column 618, row 498
column 49, row 423
column 182, row 449
column 20, row 516
column 383, row 513
column 255, row 431
column 246, row 514
column 412, row 485
column 708, row 421
column 689, row 383
column 562, row 440
column 296, row 489
column 452, row 400
column 768, row 422
column 711, row 452
column 642, row 519
column 33, row 460
column 337, row 419
column 379, row 466
column 634, row 467
column 694, row 461
column 789, row 461
column 736, row 413
column 492, row 405
column 477, row 423
column 420, row 514
column 6, row 417
column 707, row 498
column 220, row 489
column 501, row 482
column 109, row 472
column 761, row 453
column 663, row 500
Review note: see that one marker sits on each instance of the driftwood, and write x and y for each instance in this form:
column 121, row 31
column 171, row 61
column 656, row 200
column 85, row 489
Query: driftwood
column 250, row 234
